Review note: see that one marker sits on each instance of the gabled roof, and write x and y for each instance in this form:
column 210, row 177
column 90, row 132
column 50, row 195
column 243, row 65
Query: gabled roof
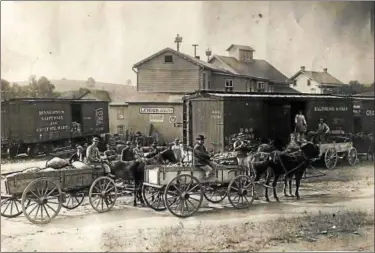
column 260, row 69
column 365, row 94
column 189, row 58
column 248, row 48
column 320, row 77
column 285, row 89
column 101, row 95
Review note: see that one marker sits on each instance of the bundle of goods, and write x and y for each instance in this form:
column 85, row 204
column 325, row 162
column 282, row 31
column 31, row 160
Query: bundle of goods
column 225, row 158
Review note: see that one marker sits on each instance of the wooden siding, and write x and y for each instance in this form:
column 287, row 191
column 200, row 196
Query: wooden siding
column 180, row 76
column 141, row 121
column 115, row 121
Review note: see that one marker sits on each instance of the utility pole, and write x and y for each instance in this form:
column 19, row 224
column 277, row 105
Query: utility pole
column 195, row 49
column 178, row 40
column 208, row 54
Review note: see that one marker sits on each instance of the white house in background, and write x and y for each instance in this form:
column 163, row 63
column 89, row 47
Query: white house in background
column 315, row 82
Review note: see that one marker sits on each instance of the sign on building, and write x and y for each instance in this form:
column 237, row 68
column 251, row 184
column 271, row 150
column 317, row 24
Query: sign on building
column 172, row 119
column 161, row 110
column 156, row 118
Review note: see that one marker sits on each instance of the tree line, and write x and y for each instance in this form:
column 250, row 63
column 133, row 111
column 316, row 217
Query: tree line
column 36, row 88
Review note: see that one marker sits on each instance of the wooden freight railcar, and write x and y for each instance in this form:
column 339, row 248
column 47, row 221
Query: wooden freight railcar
column 220, row 115
column 363, row 109
column 42, row 125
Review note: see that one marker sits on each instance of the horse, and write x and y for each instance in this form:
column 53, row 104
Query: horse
column 135, row 170
column 288, row 164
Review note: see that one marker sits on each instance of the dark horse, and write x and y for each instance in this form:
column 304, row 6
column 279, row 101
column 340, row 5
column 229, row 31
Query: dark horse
column 135, row 170
column 289, row 164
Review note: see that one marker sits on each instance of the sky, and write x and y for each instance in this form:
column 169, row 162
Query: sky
column 103, row 40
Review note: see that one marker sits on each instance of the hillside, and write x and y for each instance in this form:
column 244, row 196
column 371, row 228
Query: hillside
column 69, row 85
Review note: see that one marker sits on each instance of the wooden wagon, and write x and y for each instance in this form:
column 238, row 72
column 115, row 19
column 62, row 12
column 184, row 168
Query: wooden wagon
column 40, row 195
column 181, row 189
column 332, row 152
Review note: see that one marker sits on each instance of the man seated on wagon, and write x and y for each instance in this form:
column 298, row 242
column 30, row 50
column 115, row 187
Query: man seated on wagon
column 202, row 158
column 93, row 156
column 177, row 150
column 323, row 129
column 138, row 151
column 78, row 155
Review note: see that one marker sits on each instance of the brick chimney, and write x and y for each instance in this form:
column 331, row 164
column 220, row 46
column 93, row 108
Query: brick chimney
column 302, row 68
column 325, row 70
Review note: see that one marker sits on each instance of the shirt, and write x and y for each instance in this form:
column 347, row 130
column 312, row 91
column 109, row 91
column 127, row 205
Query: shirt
column 240, row 152
column 177, row 150
column 92, row 154
column 127, row 154
column 300, row 119
column 323, row 128
column 138, row 152
column 200, row 154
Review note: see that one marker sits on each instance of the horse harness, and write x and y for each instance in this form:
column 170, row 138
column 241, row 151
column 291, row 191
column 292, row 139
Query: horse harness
column 277, row 157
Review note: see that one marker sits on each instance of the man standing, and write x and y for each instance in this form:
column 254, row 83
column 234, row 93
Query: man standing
column 177, row 150
column 202, row 158
column 110, row 153
column 138, row 151
column 240, row 149
column 78, row 155
column 127, row 153
column 301, row 126
column 323, row 129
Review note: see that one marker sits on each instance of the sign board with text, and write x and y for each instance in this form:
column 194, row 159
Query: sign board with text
column 159, row 110
column 156, row 118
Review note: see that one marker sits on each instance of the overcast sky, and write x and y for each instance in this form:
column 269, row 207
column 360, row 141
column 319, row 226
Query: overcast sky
column 76, row 40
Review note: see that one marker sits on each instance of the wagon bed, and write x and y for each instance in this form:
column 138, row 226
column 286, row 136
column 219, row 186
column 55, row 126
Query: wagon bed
column 332, row 152
column 47, row 191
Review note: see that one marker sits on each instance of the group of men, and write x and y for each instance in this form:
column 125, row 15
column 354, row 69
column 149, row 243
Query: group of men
column 301, row 127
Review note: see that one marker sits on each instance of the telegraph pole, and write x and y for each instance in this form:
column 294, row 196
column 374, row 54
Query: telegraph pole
column 178, row 40
column 195, row 49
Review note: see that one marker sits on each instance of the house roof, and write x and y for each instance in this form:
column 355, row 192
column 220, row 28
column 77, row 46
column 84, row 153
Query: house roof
column 365, row 94
column 192, row 59
column 240, row 47
column 320, row 77
column 285, row 89
column 260, row 69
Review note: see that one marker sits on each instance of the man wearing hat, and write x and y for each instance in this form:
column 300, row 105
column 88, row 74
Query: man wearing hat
column 93, row 156
column 177, row 150
column 153, row 150
column 301, row 125
column 323, row 129
column 138, row 151
column 138, row 138
column 127, row 153
column 78, row 155
column 239, row 147
column 202, row 158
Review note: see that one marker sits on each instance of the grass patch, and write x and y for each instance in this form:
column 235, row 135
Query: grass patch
column 250, row 237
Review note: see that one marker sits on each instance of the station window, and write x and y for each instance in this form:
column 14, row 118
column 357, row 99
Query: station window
column 120, row 113
column 228, row 85
column 260, row 86
column 120, row 129
column 168, row 59
column 308, row 82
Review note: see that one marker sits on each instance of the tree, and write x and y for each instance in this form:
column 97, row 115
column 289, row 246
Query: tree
column 5, row 89
column 45, row 88
column 90, row 82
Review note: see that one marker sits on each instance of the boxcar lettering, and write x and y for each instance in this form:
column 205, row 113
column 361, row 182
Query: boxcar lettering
column 370, row 113
column 330, row 108
column 99, row 116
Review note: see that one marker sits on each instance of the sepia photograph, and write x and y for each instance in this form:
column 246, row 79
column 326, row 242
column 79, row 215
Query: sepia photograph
column 187, row 126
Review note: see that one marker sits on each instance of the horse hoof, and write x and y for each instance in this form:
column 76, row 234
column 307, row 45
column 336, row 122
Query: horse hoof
column 277, row 200
column 268, row 200
column 298, row 197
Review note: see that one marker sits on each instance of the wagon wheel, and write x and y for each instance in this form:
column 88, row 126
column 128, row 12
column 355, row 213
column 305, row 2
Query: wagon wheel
column 103, row 194
column 330, row 158
column 73, row 200
column 352, row 156
column 44, row 197
column 241, row 191
column 183, row 195
column 10, row 207
column 153, row 197
column 214, row 193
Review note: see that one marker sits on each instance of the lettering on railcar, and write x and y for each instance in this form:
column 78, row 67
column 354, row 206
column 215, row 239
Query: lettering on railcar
column 330, row 108
column 370, row 113
column 52, row 120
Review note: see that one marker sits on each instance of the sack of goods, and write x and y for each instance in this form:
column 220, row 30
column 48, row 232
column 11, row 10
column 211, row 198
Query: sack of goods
column 47, row 169
column 33, row 169
column 80, row 165
column 57, row 163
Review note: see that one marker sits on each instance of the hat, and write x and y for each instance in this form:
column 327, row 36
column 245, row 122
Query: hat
column 95, row 139
column 176, row 140
column 200, row 137
column 128, row 143
column 138, row 133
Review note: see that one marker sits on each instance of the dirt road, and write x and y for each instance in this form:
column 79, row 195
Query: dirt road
column 335, row 213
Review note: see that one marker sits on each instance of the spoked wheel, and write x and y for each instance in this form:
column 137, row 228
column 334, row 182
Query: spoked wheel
column 352, row 156
column 103, row 194
column 153, row 197
column 10, row 207
column 73, row 200
column 214, row 193
column 330, row 158
column 183, row 195
column 41, row 201
column 241, row 192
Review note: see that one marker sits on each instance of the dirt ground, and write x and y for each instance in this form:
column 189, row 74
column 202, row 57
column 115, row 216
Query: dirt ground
column 335, row 213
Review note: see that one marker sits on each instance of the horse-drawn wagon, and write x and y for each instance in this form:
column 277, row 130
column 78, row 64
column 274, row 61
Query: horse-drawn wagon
column 332, row 151
column 181, row 189
column 41, row 195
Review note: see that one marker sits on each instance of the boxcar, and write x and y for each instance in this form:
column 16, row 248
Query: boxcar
column 41, row 125
column 363, row 109
column 220, row 115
